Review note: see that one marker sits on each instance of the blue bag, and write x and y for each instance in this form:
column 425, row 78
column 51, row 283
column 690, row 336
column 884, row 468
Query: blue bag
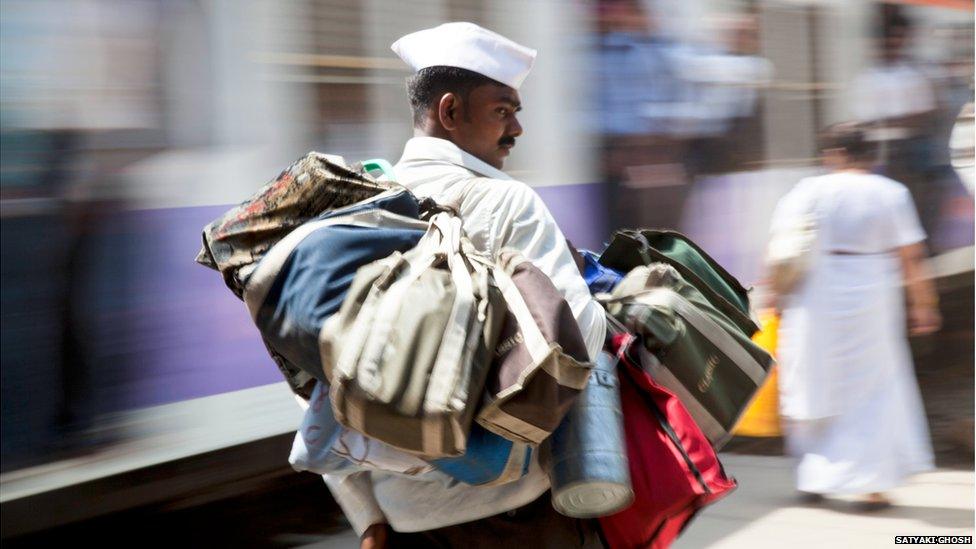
column 303, row 278
column 599, row 279
column 488, row 460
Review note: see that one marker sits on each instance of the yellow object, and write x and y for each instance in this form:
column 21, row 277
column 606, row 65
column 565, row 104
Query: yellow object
column 761, row 418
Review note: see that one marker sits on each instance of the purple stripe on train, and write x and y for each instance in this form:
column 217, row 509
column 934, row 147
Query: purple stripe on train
column 190, row 336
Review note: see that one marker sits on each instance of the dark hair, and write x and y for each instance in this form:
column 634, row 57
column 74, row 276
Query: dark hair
column 892, row 21
column 852, row 138
column 431, row 83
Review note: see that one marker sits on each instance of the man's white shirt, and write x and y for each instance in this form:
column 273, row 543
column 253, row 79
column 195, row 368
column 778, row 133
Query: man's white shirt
column 497, row 212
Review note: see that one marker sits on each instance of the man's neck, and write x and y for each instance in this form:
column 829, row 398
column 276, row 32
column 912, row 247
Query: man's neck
column 419, row 148
column 431, row 130
column 420, row 131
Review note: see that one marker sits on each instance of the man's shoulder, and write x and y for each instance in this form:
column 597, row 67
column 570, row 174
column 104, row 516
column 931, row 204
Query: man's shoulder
column 504, row 192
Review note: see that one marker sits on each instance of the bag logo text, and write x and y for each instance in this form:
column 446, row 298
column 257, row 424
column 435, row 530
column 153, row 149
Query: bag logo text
column 706, row 380
column 508, row 344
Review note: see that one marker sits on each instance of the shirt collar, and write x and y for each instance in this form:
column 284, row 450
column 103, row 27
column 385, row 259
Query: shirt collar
column 434, row 148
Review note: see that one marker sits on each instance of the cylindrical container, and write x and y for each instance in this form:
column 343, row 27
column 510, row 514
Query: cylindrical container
column 589, row 473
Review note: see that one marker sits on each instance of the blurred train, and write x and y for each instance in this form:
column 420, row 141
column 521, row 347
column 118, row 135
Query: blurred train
column 131, row 376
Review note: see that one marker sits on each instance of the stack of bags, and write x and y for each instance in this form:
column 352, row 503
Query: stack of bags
column 413, row 351
column 382, row 315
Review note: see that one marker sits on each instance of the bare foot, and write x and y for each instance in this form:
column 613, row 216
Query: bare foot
column 875, row 502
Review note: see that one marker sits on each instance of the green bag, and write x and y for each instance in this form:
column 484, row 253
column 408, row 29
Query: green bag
column 698, row 353
column 631, row 248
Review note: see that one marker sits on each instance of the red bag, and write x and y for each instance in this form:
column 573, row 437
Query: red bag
column 673, row 469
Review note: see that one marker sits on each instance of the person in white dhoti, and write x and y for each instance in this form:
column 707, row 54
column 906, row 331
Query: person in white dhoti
column 854, row 416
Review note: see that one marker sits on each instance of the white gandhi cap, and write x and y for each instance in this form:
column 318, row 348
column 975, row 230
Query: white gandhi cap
column 467, row 46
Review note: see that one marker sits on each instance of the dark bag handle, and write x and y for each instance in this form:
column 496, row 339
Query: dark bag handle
column 643, row 249
column 647, row 253
column 624, row 242
column 429, row 208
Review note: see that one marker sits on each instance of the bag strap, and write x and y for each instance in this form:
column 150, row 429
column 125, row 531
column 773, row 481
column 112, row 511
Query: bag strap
column 645, row 246
column 737, row 316
column 374, row 322
column 449, row 366
column 445, row 373
column 614, row 326
column 429, row 208
column 663, row 296
column 430, row 245
column 534, row 340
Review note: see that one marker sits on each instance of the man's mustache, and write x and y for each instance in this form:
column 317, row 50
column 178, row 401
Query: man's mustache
column 506, row 141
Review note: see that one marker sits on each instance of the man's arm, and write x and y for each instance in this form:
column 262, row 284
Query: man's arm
column 923, row 300
column 375, row 537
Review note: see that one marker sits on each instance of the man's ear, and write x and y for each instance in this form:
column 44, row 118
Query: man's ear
column 448, row 111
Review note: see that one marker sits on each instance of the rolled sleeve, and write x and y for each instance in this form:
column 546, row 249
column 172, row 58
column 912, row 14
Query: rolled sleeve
column 354, row 494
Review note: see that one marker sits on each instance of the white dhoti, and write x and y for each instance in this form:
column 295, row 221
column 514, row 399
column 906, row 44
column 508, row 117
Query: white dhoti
column 854, row 414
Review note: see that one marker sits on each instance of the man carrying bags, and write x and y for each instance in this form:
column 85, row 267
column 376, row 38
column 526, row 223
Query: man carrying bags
column 464, row 96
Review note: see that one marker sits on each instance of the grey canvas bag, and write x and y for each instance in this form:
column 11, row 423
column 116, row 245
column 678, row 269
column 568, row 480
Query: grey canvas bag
column 410, row 346
column 700, row 355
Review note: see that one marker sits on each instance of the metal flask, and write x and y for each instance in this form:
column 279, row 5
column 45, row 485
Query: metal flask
column 589, row 473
